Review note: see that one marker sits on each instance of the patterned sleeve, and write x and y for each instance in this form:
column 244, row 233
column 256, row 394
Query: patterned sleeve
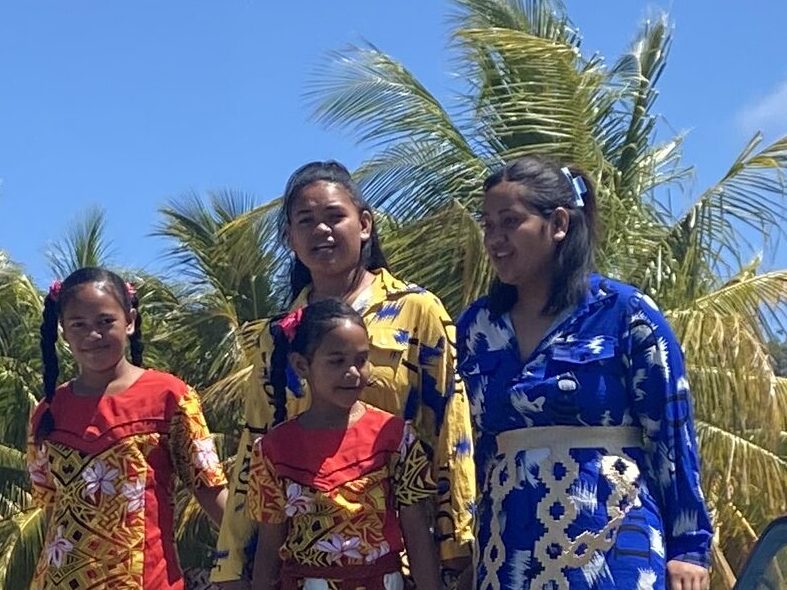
column 41, row 480
column 443, row 391
column 266, row 500
column 412, row 473
column 662, row 401
column 192, row 447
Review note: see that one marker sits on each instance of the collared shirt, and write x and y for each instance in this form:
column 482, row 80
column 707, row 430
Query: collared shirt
column 411, row 353
column 594, row 515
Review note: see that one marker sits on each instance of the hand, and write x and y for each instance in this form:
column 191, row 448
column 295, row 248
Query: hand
column 234, row 585
column 683, row 575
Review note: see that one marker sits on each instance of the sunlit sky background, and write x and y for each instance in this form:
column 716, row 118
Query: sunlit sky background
column 127, row 105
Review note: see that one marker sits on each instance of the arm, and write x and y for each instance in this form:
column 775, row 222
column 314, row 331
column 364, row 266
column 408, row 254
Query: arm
column 212, row 500
column 443, row 391
column 418, row 541
column 237, row 533
column 267, row 562
column 662, row 401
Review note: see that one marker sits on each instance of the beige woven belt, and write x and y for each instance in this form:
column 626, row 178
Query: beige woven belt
column 541, row 437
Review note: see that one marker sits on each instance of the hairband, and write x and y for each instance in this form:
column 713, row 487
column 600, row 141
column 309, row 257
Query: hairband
column 54, row 290
column 289, row 323
column 577, row 185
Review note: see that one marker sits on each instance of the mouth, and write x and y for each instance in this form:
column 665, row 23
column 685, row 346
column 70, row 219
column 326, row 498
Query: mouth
column 501, row 255
column 324, row 247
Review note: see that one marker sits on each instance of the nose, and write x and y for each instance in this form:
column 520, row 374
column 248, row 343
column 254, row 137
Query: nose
column 353, row 372
column 94, row 334
column 322, row 228
column 494, row 238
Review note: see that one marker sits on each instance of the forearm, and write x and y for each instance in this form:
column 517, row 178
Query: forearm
column 267, row 562
column 420, row 546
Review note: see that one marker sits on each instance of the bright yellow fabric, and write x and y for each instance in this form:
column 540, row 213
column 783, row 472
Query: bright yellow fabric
column 412, row 353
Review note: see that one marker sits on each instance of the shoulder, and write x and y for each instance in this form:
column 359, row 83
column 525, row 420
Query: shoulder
column 400, row 302
column 388, row 428
column 477, row 309
column 280, row 436
column 165, row 382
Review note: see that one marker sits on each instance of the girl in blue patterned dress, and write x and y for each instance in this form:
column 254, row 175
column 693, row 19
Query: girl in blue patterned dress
column 586, row 453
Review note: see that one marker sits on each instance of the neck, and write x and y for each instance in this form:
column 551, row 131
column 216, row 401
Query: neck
column 324, row 415
column 97, row 382
column 532, row 298
column 345, row 285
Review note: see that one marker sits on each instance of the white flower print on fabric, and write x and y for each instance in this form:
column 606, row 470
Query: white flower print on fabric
column 297, row 501
column 135, row 494
column 99, row 477
column 205, row 456
column 57, row 550
column 647, row 580
column 378, row 552
column 496, row 337
column 338, row 546
column 656, row 541
column 39, row 468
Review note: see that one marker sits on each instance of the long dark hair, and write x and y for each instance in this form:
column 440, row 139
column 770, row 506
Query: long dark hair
column 54, row 304
column 316, row 320
column 548, row 187
column 372, row 256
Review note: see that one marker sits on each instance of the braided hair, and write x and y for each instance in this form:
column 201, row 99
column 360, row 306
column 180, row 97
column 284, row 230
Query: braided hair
column 294, row 332
column 55, row 302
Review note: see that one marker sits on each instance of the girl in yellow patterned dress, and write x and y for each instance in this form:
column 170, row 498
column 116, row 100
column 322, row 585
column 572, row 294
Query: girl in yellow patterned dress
column 342, row 488
column 104, row 447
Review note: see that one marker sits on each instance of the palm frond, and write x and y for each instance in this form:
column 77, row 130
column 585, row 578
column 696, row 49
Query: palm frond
column 85, row 244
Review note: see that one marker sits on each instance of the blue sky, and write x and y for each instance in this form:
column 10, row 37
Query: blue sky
column 128, row 105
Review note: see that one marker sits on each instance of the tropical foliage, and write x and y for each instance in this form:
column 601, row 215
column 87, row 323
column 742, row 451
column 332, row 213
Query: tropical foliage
column 526, row 87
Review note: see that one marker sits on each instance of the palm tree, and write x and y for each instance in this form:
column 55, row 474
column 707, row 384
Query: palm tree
column 529, row 89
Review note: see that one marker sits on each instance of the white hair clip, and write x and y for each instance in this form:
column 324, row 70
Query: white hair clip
column 577, row 185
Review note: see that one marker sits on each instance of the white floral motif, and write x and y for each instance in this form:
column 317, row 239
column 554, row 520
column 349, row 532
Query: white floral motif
column 39, row 468
column 99, row 477
column 338, row 546
column 378, row 552
column 297, row 501
column 135, row 494
column 205, row 456
column 56, row 550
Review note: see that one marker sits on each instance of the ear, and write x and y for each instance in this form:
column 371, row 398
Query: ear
column 300, row 363
column 287, row 236
column 367, row 223
column 132, row 319
column 558, row 224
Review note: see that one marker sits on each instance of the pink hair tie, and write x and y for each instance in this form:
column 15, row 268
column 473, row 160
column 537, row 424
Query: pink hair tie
column 289, row 323
column 54, row 290
column 131, row 289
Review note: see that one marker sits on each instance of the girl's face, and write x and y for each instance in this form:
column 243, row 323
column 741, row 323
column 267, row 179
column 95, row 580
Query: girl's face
column 96, row 327
column 521, row 242
column 326, row 231
column 338, row 370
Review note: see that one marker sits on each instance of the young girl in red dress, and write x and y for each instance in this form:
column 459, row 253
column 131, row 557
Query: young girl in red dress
column 105, row 447
column 342, row 488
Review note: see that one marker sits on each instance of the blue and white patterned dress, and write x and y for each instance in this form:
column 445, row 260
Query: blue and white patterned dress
column 586, row 453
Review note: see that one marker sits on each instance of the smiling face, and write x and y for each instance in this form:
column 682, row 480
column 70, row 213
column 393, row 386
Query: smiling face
column 96, row 327
column 520, row 241
column 338, row 369
column 326, row 230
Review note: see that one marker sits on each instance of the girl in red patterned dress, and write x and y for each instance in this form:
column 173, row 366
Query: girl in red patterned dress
column 105, row 447
column 342, row 488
